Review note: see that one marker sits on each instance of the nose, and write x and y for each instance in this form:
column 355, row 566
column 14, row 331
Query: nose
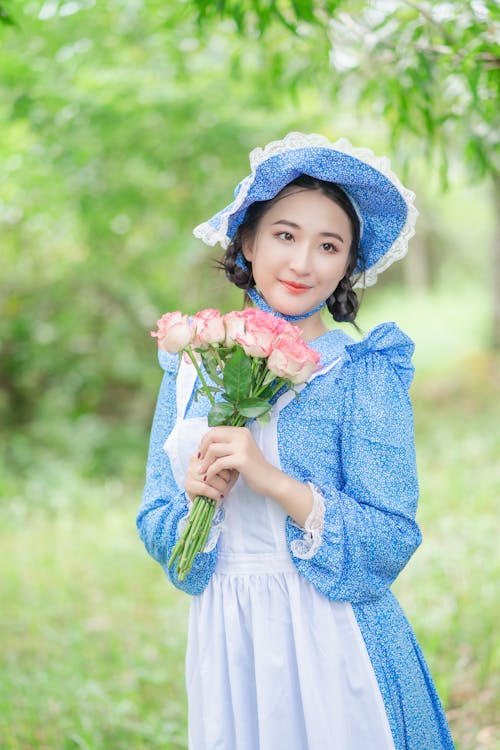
column 300, row 259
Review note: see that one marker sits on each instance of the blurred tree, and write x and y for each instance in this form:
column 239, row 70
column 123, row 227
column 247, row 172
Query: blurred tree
column 114, row 122
column 122, row 125
column 431, row 69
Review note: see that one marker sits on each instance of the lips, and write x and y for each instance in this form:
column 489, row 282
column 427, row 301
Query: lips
column 294, row 288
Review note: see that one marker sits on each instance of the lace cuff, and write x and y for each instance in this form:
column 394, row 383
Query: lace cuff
column 217, row 526
column 307, row 547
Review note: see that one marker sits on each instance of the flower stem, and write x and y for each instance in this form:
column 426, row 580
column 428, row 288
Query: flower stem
column 199, row 544
column 194, row 536
column 278, row 387
column 204, row 384
column 258, row 386
column 215, row 350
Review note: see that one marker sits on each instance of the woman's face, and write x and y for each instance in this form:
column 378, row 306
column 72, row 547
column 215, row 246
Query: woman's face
column 300, row 251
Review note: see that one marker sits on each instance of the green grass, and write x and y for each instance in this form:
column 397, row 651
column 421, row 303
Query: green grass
column 449, row 589
column 93, row 637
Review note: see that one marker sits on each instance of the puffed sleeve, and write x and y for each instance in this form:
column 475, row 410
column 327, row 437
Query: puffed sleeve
column 163, row 505
column 369, row 530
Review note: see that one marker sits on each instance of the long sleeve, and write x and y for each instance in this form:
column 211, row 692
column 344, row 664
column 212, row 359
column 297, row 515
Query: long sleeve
column 164, row 503
column 369, row 531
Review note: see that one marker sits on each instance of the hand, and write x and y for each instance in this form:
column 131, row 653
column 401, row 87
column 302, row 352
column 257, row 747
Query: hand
column 216, row 487
column 235, row 449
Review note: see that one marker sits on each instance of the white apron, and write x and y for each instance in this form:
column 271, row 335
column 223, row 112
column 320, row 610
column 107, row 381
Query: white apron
column 271, row 664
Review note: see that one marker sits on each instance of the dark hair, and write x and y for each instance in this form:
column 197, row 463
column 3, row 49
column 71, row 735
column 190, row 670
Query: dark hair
column 343, row 304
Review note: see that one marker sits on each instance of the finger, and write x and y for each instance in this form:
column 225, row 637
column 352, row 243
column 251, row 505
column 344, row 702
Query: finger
column 226, row 475
column 195, row 470
column 193, row 489
column 194, row 464
column 218, row 465
column 214, row 451
column 221, row 482
column 220, row 434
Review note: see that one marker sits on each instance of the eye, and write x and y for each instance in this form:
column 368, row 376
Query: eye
column 286, row 236
column 329, row 248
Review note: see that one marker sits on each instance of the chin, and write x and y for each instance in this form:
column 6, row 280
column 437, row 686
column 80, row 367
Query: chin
column 292, row 309
column 289, row 308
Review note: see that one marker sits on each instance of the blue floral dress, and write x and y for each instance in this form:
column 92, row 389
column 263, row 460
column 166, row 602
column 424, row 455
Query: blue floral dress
column 295, row 639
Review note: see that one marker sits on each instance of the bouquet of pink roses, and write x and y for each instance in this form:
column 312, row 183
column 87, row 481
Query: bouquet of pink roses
column 242, row 359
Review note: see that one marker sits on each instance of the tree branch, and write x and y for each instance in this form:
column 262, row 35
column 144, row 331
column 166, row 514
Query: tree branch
column 423, row 12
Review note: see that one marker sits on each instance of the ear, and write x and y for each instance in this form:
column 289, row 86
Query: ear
column 247, row 246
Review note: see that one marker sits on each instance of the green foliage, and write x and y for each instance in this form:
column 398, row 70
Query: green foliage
column 251, row 408
column 116, row 118
column 220, row 414
column 252, row 16
column 114, row 123
column 431, row 70
column 237, row 376
column 246, row 393
column 436, row 69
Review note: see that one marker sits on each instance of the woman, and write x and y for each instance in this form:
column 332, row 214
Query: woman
column 295, row 639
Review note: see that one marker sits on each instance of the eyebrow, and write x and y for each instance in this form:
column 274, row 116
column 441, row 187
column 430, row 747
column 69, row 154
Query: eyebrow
column 297, row 226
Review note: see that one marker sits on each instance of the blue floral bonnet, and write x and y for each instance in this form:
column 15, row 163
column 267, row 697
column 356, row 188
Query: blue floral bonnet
column 384, row 206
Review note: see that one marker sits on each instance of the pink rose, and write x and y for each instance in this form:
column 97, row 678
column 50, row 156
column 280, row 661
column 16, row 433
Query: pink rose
column 234, row 323
column 209, row 327
column 261, row 331
column 174, row 333
column 289, row 329
column 266, row 321
column 260, row 318
column 292, row 359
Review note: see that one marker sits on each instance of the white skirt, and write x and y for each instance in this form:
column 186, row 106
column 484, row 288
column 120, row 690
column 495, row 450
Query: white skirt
column 272, row 664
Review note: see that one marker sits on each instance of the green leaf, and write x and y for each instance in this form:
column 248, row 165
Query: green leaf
column 270, row 378
column 220, row 413
column 6, row 17
column 211, row 366
column 253, row 407
column 237, row 376
column 304, row 10
column 265, row 418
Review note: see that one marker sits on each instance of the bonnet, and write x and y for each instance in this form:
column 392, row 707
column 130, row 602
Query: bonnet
column 384, row 206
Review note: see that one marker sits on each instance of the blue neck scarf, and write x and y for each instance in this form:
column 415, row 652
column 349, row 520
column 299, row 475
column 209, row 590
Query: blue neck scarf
column 260, row 302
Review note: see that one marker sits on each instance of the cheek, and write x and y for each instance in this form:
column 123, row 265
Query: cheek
column 266, row 259
column 334, row 270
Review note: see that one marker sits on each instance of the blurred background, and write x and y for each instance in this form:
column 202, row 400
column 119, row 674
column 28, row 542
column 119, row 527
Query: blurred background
column 123, row 125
